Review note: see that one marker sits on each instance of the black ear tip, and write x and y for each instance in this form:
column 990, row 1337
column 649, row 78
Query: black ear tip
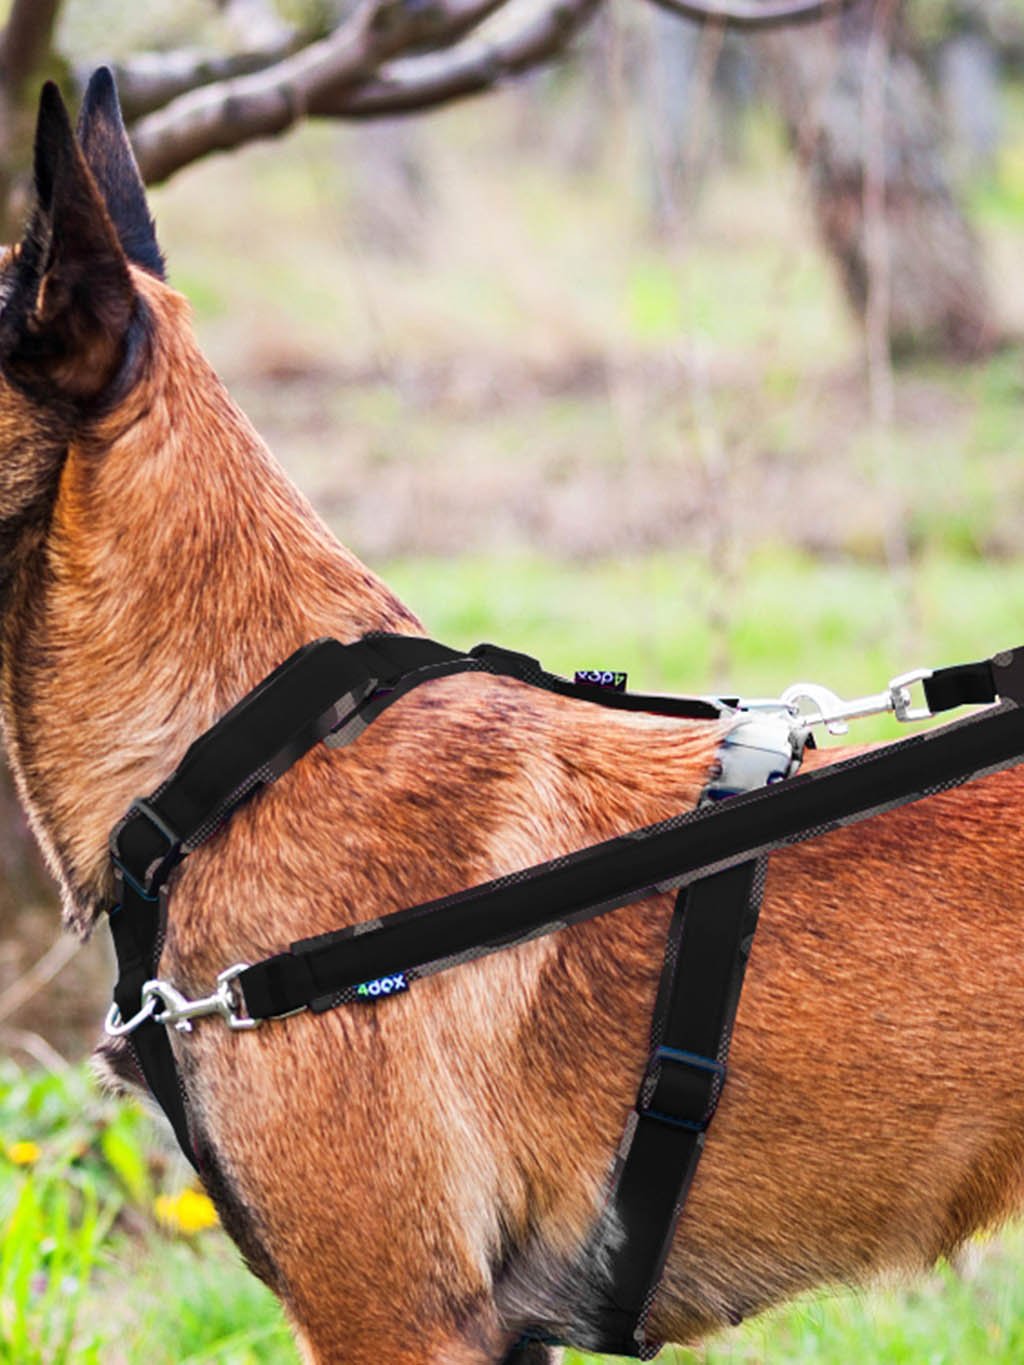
column 53, row 137
column 101, row 94
column 100, row 114
column 53, row 112
column 51, row 102
column 108, row 153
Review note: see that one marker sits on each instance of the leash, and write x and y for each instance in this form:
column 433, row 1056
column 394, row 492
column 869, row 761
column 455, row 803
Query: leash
column 714, row 856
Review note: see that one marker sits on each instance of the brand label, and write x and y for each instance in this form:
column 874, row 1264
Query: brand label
column 384, row 985
column 601, row 677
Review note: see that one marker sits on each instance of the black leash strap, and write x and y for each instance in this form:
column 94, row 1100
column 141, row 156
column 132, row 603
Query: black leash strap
column 709, row 942
column 960, row 685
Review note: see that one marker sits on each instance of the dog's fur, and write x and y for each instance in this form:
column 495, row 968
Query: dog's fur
column 419, row 1180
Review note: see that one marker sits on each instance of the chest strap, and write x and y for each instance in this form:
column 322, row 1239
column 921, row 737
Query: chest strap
column 709, row 942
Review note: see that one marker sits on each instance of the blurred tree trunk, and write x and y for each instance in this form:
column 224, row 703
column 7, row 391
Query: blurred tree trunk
column 392, row 193
column 691, row 90
column 23, row 878
column 939, row 302
column 968, row 74
column 667, row 92
column 26, row 56
column 62, row 1006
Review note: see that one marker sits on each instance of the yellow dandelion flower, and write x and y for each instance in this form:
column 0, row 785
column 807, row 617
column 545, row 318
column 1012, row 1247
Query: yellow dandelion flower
column 188, row 1212
column 24, row 1153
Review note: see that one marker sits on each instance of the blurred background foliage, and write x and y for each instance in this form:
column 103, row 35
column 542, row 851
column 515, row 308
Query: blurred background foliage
column 603, row 366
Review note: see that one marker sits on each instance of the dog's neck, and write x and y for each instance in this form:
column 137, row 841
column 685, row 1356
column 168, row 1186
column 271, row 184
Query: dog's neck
column 181, row 566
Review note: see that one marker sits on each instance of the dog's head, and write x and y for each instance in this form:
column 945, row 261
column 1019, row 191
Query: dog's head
column 73, row 329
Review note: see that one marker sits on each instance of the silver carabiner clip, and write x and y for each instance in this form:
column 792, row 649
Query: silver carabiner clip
column 834, row 713
column 116, row 1027
column 178, row 1010
column 899, row 691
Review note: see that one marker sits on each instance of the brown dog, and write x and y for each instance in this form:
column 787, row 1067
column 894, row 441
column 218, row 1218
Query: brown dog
column 417, row 1181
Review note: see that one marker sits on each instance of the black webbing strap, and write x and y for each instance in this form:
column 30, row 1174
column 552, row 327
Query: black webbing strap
column 960, row 685
column 509, row 663
column 305, row 698
column 709, row 941
column 257, row 740
column 136, row 926
column 316, row 691
column 311, row 694
column 326, row 971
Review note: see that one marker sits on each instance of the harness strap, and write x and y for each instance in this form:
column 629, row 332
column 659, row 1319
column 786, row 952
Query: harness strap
column 257, row 740
column 510, row 663
column 323, row 687
column 709, row 942
column 324, row 691
column 716, row 851
column 136, row 927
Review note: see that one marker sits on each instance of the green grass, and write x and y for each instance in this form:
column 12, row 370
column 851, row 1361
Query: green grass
column 54, row 1232
column 946, row 1318
column 190, row 1305
column 87, row 1274
column 786, row 617
column 87, row 1278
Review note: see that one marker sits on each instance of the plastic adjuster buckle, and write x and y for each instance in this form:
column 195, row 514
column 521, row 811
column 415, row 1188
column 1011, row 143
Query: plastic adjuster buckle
column 699, row 1081
column 174, row 841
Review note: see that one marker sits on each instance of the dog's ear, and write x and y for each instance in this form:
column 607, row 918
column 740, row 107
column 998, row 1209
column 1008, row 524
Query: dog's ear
column 70, row 299
column 109, row 155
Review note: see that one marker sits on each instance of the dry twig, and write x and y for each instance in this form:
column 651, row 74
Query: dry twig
column 52, row 962
column 34, row 1046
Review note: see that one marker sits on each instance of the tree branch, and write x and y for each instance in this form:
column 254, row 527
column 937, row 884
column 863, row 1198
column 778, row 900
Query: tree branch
column 267, row 102
column 149, row 80
column 190, row 104
column 755, row 14
column 480, row 63
column 26, row 41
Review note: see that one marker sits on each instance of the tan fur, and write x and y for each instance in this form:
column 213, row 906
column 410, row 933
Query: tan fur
column 405, row 1174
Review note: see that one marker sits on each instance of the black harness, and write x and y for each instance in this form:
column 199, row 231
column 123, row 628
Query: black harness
column 714, row 856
